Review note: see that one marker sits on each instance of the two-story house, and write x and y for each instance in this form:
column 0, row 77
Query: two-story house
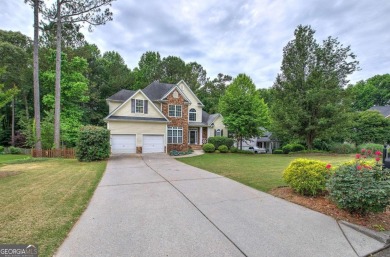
column 160, row 118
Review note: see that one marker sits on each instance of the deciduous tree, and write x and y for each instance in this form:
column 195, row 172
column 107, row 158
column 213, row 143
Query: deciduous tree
column 244, row 112
column 308, row 93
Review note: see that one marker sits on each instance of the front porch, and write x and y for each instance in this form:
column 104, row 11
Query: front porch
column 197, row 136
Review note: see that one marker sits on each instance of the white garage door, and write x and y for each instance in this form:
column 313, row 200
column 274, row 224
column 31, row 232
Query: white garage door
column 123, row 144
column 153, row 144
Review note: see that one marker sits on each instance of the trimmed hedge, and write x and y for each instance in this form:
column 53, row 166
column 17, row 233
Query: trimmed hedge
column 233, row 149
column 93, row 144
column 292, row 148
column 223, row 149
column 278, row 151
column 218, row 141
column 208, row 148
column 15, row 150
column 306, row 177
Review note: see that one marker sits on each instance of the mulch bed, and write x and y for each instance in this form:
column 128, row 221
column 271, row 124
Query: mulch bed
column 378, row 221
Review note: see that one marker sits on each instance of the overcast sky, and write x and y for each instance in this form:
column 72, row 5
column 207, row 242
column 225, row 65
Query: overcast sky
column 232, row 37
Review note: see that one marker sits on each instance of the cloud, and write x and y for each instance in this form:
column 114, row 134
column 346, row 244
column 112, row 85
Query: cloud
column 233, row 37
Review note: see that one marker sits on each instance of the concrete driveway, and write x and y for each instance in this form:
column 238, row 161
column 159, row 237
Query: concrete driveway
column 153, row 205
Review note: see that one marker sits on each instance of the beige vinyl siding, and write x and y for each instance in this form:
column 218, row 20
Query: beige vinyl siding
column 112, row 106
column 193, row 100
column 218, row 124
column 125, row 110
column 137, row 128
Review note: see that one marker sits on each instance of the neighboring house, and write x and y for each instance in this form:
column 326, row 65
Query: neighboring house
column 160, row 118
column 384, row 110
column 266, row 142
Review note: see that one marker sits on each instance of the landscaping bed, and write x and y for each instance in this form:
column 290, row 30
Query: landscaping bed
column 376, row 221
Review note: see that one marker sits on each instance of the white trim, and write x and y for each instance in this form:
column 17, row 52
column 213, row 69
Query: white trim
column 200, row 136
column 131, row 97
column 193, row 94
column 179, row 90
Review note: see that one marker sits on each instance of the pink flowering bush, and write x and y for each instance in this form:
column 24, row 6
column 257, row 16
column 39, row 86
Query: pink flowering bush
column 361, row 187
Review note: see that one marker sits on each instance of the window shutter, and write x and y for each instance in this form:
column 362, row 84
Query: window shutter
column 133, row 105
column 215, row 132
column 221, row 132
column 146, row 106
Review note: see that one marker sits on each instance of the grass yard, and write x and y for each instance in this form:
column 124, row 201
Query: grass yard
column 5, row 158
column 260, row 171
column 42, row 198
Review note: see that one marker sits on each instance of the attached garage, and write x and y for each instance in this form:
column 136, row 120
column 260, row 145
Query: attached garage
column 123, row 144
column 153, row 144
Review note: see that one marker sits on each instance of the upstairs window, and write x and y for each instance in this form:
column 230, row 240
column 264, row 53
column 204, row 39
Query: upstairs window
column 139, row 106
column 192, row 115
column 174, row 111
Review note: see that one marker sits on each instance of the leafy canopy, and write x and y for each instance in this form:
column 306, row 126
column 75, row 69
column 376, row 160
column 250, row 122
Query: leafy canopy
column 244, row 112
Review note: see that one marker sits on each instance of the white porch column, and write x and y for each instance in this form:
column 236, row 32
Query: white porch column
column 201, row 136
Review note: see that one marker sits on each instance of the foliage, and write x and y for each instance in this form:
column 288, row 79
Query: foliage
column 244, row 112
column 178, row 153
column 93, row 144
column 342, row 148
column 233, row 149
column 308, row 96
column 306, row 177
column 370, row 148
column 369, row 127
column 212, row 91
column 292, row 148
column 15, row 150
column 374, row 91
column 245, row 151
column 277, row 151
column 1, row 149
column 360, row 188
column 223, row 149
column 208, row 148
column 217, row 141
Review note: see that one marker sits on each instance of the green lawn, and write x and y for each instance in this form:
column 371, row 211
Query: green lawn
column 260, row 171
column 4, row 158
column 42, row 198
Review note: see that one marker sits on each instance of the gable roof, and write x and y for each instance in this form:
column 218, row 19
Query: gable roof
column 209, row 118
column 156, row 90
column 197, row 99
column 384, row 110
column 122, row 95
column 111, row 115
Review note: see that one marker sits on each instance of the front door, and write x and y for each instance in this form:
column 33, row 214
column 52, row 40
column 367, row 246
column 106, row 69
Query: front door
column 193, row 137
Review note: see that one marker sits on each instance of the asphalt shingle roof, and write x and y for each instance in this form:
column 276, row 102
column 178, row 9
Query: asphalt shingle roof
column 384, row 110
column 122, row 95
column 157, row 90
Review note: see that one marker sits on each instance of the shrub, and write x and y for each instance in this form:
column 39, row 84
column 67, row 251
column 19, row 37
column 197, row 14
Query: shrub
column 322, row 145
column 360, row 189
column 306, row 177
column 223, row 149
column 178, row 153
column 277, row 151
column 93, row 144
column 218, row 141
column 292, row 148
column 1, row 149
column 370, row 149
column 245, row 152
column 15, row 150
column 361, row 186
column 208, row 148
column 233, row 149
column 342, row 148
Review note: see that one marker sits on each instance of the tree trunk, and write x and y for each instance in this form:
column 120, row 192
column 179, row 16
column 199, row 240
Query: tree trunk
column 37, row 106
column 57, row 105
column 13, row 122
column 309, row 141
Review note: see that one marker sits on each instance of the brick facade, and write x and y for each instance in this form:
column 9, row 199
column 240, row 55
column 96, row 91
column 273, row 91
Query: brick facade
column 177, row 121
column 204, row 135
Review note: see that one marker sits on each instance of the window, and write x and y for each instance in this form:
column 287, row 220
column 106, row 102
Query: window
column 192, row 115
column 174, row 111
column 175, row 135
column 139, row 106
column 218, row 133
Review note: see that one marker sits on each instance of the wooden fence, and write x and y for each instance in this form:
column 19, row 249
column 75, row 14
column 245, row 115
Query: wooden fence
column 53, row 153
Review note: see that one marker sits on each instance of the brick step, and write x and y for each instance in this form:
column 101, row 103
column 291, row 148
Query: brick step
column 196, row 147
